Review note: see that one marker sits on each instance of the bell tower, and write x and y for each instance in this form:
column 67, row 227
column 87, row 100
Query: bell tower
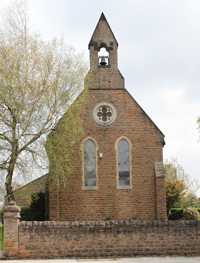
column 103, row 48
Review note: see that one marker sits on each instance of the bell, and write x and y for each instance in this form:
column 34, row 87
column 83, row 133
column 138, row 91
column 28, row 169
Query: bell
column 103, row 61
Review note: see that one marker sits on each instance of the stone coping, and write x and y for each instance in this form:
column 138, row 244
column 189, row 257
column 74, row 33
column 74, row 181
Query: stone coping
column 111, row 223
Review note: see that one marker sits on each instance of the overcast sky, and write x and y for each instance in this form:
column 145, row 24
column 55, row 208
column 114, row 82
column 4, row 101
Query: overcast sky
column 159, row 56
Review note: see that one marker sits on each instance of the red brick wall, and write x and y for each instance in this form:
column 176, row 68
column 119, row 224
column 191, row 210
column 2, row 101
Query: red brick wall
column 108, row 202
column 114, row 238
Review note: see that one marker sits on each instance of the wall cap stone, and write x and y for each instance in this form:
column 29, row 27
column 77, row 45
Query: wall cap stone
column 11, row 210
column 111, row 223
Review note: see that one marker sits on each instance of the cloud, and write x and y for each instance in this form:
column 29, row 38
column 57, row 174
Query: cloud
column 159, row 56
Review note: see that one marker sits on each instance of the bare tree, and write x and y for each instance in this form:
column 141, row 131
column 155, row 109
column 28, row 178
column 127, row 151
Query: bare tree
column 38, row 81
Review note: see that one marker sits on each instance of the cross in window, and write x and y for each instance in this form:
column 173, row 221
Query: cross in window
column 104, row 113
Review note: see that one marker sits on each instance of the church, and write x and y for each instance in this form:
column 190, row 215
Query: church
column 116, row 164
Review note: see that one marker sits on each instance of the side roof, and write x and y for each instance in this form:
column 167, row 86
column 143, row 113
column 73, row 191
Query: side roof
column 23, row 194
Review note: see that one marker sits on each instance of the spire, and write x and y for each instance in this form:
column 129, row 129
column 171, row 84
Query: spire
column 103, row 49
column 103, row 33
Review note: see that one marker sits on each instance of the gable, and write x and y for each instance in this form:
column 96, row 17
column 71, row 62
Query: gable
column 91, row 92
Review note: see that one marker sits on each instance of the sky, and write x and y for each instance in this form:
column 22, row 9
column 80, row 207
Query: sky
column 159, row 56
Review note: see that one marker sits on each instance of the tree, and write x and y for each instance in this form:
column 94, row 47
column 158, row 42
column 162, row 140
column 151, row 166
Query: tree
column 180, row 190
column 175, row 186
column 38, row 81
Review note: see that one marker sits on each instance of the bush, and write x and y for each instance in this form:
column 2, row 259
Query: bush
column 26, row 214
column 175, row 214
column 198, row 209
column 190, row 214
column 1, row 237
column 37, row 209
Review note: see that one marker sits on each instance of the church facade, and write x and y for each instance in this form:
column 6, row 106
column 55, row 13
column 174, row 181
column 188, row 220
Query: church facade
column 117, row 171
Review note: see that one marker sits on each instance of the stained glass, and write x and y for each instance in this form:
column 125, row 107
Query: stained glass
column 123, row 163
column 89, row 163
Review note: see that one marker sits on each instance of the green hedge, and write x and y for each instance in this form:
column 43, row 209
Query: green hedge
column 191, row 213
column 176, row 214
column 37, row 210
column 185, row 214
column 1, row 237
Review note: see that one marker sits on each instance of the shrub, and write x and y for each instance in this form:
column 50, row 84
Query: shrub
column 190, row 214
column 175, row 214
column 26, row 214
column 37, row 209
column 1, row 237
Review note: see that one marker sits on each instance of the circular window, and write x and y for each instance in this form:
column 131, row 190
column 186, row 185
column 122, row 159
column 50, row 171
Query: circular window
column 104, row 113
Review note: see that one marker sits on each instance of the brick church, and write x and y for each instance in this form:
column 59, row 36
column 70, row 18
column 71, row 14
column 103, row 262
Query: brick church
column 117, row 164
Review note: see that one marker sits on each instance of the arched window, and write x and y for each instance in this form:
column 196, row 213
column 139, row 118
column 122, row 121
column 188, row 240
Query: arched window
column 89, row 165
column 123, row 164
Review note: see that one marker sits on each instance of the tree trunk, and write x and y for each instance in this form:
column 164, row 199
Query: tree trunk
column 9, row 190
column 8, row 184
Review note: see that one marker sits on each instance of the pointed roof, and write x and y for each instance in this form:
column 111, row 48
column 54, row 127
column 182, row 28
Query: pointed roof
column 97, row 32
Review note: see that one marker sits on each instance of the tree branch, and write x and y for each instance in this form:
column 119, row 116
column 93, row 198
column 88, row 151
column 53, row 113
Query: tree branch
column 4, row 137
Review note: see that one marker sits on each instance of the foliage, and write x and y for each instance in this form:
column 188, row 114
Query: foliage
column 175, row 213
column 190, row 214
column 179, row 189
column 37, row 210
column 190, row 200
column 63, row 140
column 1, row 237
column 38, row 82
column 175, row 186
column 184, row 214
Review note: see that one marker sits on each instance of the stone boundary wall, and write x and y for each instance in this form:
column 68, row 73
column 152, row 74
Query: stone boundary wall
column 53, row 239
column 108, row 239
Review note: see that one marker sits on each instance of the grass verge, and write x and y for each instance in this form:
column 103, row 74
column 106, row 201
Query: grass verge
column 1, row 237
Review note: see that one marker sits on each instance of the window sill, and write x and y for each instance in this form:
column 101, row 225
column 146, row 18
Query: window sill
column 90, row 188
column 124, row 187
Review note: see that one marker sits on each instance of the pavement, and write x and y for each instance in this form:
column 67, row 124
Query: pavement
column 120, row 260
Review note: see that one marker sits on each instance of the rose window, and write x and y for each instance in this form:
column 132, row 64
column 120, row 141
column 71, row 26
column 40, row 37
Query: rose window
column 104, row 113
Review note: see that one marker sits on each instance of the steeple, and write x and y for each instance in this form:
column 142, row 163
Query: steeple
column 103, row 48
column 103, row 32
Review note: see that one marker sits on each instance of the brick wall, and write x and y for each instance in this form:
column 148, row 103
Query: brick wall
column 108, row 238
column 71, row 202
column 146, row 198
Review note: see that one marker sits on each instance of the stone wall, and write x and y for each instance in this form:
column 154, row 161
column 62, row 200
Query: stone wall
column 108, row 239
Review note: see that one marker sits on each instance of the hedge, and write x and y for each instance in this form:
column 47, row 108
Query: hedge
column 37, row 210
column 1, row 237
column 176, row 214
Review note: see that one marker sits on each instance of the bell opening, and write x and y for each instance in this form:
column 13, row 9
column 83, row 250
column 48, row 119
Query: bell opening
column 103, row 56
